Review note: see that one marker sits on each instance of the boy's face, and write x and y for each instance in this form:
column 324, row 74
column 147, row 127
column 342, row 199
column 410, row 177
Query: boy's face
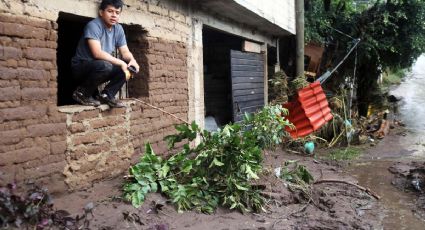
column 110, row 15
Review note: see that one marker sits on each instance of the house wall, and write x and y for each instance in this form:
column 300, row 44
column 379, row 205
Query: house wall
column 70, row 147
column 279, row 12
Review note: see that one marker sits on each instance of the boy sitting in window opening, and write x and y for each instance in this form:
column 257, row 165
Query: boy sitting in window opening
column 94, row 63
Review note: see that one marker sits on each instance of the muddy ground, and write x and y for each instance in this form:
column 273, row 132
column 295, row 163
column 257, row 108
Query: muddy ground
column 331, row 205
column 387, row 167
column 410, row 178
column 391, row 169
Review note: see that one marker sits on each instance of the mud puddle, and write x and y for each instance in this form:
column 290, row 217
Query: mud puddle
column 398, row 205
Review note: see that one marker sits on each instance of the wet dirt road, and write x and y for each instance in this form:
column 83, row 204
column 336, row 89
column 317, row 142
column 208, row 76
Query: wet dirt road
column 372, row 169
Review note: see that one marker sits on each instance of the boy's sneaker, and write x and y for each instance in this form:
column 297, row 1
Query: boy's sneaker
column 79, row 97
column 112, row 102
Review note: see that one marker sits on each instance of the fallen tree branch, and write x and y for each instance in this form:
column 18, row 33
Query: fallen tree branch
column 367, row 190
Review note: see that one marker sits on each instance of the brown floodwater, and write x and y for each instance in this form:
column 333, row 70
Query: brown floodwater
column 371, row 170
column 398, row 204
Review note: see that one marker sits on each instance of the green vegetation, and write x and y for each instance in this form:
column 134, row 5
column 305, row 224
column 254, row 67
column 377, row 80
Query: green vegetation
column 217, row 171
column 391, row 34
column 297, row 178
column 393, row 77
column 344, row 154
column 295, row 173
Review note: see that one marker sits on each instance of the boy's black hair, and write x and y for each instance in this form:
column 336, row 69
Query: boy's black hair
column 116, row 3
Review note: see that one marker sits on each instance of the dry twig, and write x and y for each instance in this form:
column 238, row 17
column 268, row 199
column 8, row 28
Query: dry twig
column 367, row 190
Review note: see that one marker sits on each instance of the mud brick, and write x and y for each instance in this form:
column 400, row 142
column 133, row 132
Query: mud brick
column 10, row 53
column 35, row 94
column 85, row 115
column 87, row 166
column 12, row 136
column 123, row 143
column 33, row 84
column 32, row 74
column 40, row 53
column 115, row 132
column 54, row 115
column 10, row 93
column 10, row 173
column 57, row 138
column 22, row 63
column 87, row 138
column 136, row 115
column 53, row 74
column 10, row 125
column 114, row 112
column 24, row 143
column 161, row 47
column 35, row 43
column 136, row 129
column 44, row 170
column 77, row 128
column 47, row 65
column 43, row 161
column 96, row 149
column 8, row 73
column 51, row 44
column 45, row 130
column 9, row 63
column 53, row 35
column 22, row 113
column 77, row 154
column 58, row 147
column 23, row 31
column 9, row 83
column 107, row 122
column 23, row 155
column 36, row 22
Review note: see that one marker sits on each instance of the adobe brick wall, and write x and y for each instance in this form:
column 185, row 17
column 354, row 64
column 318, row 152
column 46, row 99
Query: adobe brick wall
column 98, row 143
column 70, row 147
column 32, row 131
column 163, row 84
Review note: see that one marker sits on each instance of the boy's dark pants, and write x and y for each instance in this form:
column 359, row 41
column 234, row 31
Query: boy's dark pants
column 90, row 74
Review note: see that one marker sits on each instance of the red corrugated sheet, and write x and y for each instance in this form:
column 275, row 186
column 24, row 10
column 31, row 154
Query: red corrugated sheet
column 309, row 111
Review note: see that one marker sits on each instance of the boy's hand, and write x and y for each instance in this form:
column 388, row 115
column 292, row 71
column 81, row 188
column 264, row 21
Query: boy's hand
column 134, row 63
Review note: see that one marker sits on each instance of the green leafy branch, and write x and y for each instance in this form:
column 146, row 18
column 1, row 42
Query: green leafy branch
column 217, row 171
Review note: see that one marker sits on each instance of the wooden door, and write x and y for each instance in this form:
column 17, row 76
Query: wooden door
column 247, row 77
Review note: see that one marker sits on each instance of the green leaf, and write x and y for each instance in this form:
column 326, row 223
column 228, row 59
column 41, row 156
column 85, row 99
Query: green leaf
column 164, row 171
column 164, row 186
column 154, row 187
column 241, row 187
column 148, row 149
column 132, row 187
column 216, row 163
column 137, row 199
column 194, row 126
column 250, row 173
column 233, row 206
column 187, row 166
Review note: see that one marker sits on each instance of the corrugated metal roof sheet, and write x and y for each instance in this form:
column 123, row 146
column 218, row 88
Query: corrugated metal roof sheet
column 309, row 111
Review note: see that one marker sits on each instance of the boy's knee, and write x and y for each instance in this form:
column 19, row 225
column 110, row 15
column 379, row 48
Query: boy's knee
column 103, row 66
